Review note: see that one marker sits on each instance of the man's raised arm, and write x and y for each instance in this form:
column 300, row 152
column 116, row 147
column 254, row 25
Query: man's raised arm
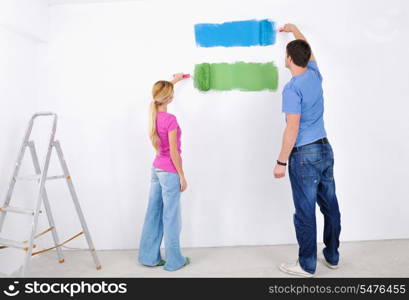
column 297, row 35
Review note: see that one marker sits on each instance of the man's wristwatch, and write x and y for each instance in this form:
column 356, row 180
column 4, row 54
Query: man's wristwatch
column 281, row 163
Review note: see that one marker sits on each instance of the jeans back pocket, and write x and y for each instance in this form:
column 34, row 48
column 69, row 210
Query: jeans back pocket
column 310, row 164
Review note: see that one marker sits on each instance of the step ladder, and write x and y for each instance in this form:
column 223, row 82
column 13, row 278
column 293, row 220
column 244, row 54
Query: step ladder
column 41, row 177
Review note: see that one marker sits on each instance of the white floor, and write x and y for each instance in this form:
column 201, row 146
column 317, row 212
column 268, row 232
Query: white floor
column 385, row 258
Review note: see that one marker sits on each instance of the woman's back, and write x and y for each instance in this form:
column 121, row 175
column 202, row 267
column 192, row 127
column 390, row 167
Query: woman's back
column 166, row 122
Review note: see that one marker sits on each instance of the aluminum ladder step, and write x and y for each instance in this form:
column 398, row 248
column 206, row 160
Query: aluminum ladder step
column 4, row 243
column 18, row 210
column 29, row 177
column 38, row 177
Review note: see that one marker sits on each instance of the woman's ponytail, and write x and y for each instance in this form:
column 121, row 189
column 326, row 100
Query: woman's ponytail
column 162, row 91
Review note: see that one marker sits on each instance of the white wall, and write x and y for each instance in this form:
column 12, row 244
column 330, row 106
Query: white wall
column 103, row 59
column 23, row 31
column 98, row 69
column 25, row 17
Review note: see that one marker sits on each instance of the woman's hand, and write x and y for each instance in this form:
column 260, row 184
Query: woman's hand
column 183, row 184
column 177, row 77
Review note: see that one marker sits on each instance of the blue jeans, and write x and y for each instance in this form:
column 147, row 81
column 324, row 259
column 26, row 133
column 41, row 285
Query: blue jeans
column 312, row 181
column 162, row 218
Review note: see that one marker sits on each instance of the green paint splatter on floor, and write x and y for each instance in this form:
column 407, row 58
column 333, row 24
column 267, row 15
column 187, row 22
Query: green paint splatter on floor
column 237, row 76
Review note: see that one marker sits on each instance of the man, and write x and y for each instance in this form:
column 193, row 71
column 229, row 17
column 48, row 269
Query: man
column 310, row 159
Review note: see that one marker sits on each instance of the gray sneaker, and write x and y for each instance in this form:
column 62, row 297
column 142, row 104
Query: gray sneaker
column 295, row 269
column 327, row 264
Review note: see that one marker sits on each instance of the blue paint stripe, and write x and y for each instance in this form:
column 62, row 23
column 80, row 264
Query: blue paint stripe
column 237, row 33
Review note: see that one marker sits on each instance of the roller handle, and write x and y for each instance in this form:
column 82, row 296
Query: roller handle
column 184, row 75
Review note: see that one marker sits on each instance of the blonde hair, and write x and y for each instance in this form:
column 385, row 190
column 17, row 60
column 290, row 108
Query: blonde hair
column 162, row 92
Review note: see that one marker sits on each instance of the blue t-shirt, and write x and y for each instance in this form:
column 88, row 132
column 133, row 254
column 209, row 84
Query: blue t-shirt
column 303, row 95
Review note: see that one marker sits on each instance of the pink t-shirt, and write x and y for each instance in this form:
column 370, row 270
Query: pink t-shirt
column 166, row 122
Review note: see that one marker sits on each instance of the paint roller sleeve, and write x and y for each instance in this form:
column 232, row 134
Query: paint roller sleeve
column 202, row 77
column 267, row 33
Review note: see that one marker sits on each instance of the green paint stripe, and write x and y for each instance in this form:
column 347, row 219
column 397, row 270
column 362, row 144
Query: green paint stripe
column 237, row 76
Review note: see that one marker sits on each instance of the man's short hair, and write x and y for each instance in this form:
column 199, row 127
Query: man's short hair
column 300, row 52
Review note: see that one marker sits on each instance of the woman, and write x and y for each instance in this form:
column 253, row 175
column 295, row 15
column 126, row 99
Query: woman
column 167, row 182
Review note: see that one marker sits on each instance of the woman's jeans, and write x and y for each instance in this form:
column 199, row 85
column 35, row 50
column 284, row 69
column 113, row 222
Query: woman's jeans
column 162, row 219
column 312, row 181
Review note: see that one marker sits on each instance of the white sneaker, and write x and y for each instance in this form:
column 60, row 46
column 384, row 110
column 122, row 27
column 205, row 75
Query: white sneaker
column 327, row 264
column 295, row 269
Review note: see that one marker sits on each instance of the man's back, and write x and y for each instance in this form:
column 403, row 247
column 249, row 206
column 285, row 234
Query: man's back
column 303, row 95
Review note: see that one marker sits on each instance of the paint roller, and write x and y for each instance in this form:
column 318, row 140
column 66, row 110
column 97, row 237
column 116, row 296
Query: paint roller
column 267, row 32
column 201, row 77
